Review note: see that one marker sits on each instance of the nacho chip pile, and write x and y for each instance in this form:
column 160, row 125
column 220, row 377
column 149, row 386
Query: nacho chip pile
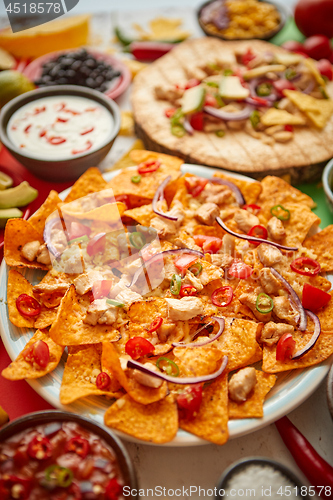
column 147, row 286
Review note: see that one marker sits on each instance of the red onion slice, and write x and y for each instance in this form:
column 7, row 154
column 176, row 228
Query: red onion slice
column 314, row 338
column 158, row 256
column 224, row 115
column 238, row 195
column 188, row 127
column 221, row 323
column 176, row 380
column 303, row 319
column 159, row 196
column 47, row 236
column 253, row 238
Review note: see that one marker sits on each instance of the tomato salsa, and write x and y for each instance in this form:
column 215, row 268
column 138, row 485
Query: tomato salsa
column 59, row 461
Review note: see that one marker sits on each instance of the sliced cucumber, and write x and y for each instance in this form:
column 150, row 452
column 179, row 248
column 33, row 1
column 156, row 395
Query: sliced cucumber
column 193, row 99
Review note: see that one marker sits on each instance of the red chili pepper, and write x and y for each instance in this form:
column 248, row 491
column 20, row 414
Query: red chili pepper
column 289, row 128
column 103, row 381
column 27, row 128
column 40, row 448
column 195, row 185
column 313, row 466
column 306, row 266
column 77, row 152
column 124, row 198
column 247, row 57
column 187, row 291
column 239, row 269
column 27, row 305
column 223, row 296
column 38, row 353
column 169, row 112
column 96, row 244
column 71, row 111
column 313, row 298
column 62, row 120
column 74, row 492
column 149, row 51
column 88, row 131
column 258, row 100
column 147, row 167
column 155, row 325
column 255, row 209
column 113, row 490
column 55, row 141
column 39, row 110
column 189, row 401
column 258, row 232
column 285, row 347
column 101, row 288
column 42, row 133
column 138, row 346
column 197, row 121
column 78, row 445
column 7, row 484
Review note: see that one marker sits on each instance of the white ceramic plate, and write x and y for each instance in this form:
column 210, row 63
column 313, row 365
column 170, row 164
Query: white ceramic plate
column 291, row 390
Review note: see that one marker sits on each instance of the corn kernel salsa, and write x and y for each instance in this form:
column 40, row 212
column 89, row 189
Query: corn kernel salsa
column 58, row 461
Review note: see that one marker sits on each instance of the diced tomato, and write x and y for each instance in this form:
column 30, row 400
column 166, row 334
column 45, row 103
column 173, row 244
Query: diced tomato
column 77, row 229
column 289, row 128
column 195, row 185
column 40, row 448
column 325, row 68
column 38, row 353
column 254, row 209
column 113, row 490
column 189, row 401
column 101, row 288
column 197, row 121
column 169, row 112
column 209, row 244
column 193, row 82
column 96, row 244
column 210, row 100
column 285, row 347
column 239, row 269
column 124, row 198
column 138, row 346
column 184, row 262
column 78, row 445
column 155, row 325
column 313, row 298
column 27, row 306
column 187, row 291
column 283, row 84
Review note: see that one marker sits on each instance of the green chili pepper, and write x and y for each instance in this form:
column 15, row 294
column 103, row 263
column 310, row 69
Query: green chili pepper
column 196, row 269
column 264, row 89
column 264, row 303
column 171, row 368
column 123, row 39
column 62, row 476
column 228, row 72
column 280, row 212
column 214, row 66
column 255, row 118
column 137, row 240
column 175, row 285
column 212, row 84
column 219, row 100
column 290, row 73
column 80, row 239
column 136, row 179
column 324, row 93
column 178, row 130
column 114, row 303
column 220, row 133
column 176, row 117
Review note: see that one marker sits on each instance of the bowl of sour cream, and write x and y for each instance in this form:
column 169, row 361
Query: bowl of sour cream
column 59, row 132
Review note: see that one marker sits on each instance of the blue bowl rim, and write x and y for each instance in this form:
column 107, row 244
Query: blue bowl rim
column 54, row 90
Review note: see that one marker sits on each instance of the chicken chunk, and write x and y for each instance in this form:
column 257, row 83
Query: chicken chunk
column 216, row 193
column 275, row 229
column 96, row 313
column 268, row 255
column 166, row 228
column 268, row 281
column 110, row 316
column 148, row 380
column 284, row 310
column 245, row 220
column 272, row 332
column 207, row 213
column 242, row 384
column 43, row 255
column 228, row 244
column 84, row 282
column 250, row 300
column 58, row 240
column 184, row 309
column 168, row 93
column 165, row 330
column 190, row 279
column 221, row 260
column 30, row 250
column 128, row 296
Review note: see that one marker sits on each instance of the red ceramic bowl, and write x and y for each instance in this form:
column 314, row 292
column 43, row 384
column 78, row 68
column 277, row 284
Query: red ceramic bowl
column 118, row 86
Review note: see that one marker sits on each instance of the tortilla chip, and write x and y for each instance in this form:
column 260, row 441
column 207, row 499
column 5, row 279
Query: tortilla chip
column 90, row 182
column 79, row 378
column 195, row 362
column 239, row 342
column 127, row 123
column 301, row 221
column 211, row 421
column 275, row 116
column 18, row 285
column 45, row 318
column 18, row 232
column 318, row 111
column 69, row 328
column 156, row 422
column 311, row 64
column 322, row 244
column 143, row 215
column 21, row 369
column 321, row 351
column 139, row 393
column 253, row 407
column 163, row 28
column 37, row 220
column 110, row 212
column 325, row 315
column 250, row 190
column 146, row 312
column 126, row 160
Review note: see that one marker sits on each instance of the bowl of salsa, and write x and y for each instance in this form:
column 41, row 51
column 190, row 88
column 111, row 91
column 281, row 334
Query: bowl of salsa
column 57, row 455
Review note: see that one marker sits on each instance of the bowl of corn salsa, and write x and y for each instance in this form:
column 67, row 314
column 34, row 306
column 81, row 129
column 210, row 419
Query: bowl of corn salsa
column 242, row 19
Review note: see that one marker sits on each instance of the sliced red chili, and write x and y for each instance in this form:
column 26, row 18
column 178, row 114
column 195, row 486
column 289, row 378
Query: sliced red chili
column 56, row 140
column 187, row 291
column 62, row 120
column 78, row 445
column 27, row 128
column 40, row 448
column 79, row 151
column 96, row 244
column 27, row 305
column 189, row 401
column 169, row 112
column 38, row 353
column 222, row 296
column 155, row 325
column 195, row 185
column 254, row 209
column 136, row 347
column 149, row 166
column 313, row 298
column 101, row 288
column 91, row 129
column 39, row 110
column 258, row 232
column 22, row 492
column 285, row 347
column 306, row 266
column 103, row 381
column 124, row 198
column 113, row 490
column 289, row 128
column 239, row 269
